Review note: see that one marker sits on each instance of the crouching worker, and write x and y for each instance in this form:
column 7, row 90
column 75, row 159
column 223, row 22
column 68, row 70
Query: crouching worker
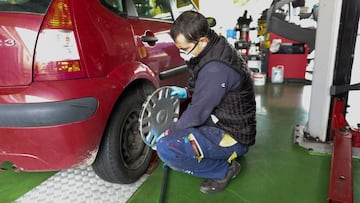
column 219, row 124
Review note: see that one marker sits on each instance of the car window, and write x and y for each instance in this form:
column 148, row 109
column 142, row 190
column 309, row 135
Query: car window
column 114, row 5
column 185, row 5
column 158, row 9
column 28, row 6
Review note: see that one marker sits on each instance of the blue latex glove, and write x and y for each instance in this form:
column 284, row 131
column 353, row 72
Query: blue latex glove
column 153, row 139
column 179, row 91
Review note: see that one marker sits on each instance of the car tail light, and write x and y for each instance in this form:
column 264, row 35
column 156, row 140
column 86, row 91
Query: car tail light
column 57, row 55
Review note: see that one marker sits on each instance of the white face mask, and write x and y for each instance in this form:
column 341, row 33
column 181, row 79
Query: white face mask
column 186, row 56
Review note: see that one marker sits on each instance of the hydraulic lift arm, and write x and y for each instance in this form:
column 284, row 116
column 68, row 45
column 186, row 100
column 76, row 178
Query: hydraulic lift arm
column 344, row 138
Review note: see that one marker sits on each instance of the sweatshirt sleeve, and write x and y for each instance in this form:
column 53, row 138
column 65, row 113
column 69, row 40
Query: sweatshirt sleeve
column 214, row 80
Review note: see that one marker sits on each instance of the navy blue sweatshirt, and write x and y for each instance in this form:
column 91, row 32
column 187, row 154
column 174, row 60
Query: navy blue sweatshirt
column 214, row 80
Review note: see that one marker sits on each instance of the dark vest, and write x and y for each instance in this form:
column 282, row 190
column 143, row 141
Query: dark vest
column 237, row 110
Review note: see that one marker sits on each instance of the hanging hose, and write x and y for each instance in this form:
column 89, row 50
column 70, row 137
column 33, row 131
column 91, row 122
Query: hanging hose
column 163, row 184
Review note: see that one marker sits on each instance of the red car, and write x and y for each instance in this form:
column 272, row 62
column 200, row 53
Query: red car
column 74, row 76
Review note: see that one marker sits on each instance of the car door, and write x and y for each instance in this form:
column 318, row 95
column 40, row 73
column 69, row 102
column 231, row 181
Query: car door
column 151, row 21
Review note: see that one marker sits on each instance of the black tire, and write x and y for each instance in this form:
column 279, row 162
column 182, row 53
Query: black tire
column 123, row 157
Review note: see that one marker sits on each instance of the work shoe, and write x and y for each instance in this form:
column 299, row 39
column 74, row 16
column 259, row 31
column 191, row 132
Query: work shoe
column 210, row 186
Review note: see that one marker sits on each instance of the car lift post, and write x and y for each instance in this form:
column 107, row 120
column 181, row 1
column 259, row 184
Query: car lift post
column 344, row 138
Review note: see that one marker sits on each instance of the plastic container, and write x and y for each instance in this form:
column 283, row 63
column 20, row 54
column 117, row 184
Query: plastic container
column 277, row 74
column 259, row 79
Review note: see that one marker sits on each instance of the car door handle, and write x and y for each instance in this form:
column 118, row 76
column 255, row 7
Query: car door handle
column 149, row 39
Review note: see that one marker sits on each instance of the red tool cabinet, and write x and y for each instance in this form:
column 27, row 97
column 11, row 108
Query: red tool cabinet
column 292, row 55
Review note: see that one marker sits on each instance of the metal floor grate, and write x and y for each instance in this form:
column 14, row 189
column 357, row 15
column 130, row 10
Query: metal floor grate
column 80, row 186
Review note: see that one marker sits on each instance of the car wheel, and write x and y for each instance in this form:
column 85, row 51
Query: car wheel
column 123, row 157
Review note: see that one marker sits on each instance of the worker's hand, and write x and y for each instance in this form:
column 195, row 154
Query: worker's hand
column 179, row 91
column 154, row 138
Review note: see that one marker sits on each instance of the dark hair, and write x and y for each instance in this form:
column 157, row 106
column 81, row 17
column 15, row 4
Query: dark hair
column 191, row 24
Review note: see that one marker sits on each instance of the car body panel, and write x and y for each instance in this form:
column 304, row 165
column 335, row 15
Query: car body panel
column 114, row 55
column 57, row 146
column 164, row 55
column 18, row 33
column 106, row 39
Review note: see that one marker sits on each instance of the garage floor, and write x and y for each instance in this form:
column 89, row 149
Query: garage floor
column 274, row 170
column 79, row 186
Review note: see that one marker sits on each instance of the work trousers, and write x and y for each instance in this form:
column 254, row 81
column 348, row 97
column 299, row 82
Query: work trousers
column 202, row 152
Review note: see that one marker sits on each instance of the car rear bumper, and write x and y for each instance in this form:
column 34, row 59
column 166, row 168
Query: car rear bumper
column 47, row 114
column 50, row 148
column 50, row 126
column 50, row 135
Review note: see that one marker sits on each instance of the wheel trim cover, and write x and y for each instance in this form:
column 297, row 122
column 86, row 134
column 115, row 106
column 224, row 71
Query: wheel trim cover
column 159, row 112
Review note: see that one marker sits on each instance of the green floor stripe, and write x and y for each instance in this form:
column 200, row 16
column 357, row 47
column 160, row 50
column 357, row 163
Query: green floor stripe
column 15, row 184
